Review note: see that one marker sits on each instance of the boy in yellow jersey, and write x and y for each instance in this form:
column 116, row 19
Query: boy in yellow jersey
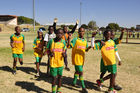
column 56, row 49
column 38, row 46
column 18, row 46
column 108, row 62
column 65, row 37
column 79, row 45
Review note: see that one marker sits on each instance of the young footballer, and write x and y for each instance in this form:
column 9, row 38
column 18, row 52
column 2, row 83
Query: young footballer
column 50, row 35
column 79, row 45
column 56, row 49
column 38, row 46
column 108, row 62
column 65, row 37
column 18, row 46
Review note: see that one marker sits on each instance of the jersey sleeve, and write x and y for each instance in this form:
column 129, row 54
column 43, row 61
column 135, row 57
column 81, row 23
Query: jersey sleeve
column 97, row 46
column 65, row 47
column 73, row 42
column 11, row 38
column 23, row 37
column 86, row 44
column 49, row 44
column 115, row 47
column 34, row 43
column 117, row 41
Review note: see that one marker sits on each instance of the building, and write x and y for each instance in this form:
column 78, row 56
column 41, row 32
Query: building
column 8, row 19
column 138, row 27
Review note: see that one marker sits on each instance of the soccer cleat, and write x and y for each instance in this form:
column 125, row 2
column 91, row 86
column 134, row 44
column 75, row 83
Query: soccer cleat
column 117, row 87
column 99, row 84
column 21, row 63
column 84, row 90
column 66, row 68
column 37, row 74
column 14, row 71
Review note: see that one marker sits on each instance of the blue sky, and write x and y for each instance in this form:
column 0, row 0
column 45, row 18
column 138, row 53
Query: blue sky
column 124, row 12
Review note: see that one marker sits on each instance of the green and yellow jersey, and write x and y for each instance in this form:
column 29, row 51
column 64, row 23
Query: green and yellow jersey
column 117, row 41
column 57, row 47
column 17, row 43
column 107, row 51
column 78, row 46
column 38, row 44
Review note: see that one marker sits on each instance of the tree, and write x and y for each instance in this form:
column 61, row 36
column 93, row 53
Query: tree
column 113, row 26
column 84, row 26
column 26, row 20
column 132, row 28
column 92, row 25
column 62, row 26
column 71, row 26
column 102, row 28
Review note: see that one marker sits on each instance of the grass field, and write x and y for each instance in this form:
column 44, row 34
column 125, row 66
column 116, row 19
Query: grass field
column 24, row 81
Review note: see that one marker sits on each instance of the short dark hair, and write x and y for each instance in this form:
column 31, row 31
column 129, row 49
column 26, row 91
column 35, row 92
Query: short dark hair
column 50, row 27
column 17, row 27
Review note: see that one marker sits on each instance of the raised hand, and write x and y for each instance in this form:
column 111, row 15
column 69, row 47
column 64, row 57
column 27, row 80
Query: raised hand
column 55, row 20
column 119, row 63
column 77, row 21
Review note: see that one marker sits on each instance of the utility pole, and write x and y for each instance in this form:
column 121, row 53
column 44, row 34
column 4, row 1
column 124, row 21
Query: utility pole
column 80, row 13
column 34, row 14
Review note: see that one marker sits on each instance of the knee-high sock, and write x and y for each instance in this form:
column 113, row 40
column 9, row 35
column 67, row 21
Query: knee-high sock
column 75, row 78
column 82, row 81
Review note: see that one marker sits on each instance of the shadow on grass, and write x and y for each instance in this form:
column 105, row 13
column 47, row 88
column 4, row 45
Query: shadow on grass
column 30, row 86
column 6, row 68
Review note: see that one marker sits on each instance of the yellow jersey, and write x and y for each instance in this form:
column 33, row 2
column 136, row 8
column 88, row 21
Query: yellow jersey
column 38, row 44
column 57, row 47
column 17, row 43
column 108, row 52
column 78, row 46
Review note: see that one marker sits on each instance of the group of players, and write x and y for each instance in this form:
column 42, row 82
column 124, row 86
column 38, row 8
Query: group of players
column 55, row 44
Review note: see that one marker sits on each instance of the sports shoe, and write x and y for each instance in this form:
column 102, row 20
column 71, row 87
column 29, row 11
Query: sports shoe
column 117, row 87
column 14, row 71
column 21, row 63
column 99, row 84
column 84, row 90
column 66, row 68
column 37, row 74
column 112, row 91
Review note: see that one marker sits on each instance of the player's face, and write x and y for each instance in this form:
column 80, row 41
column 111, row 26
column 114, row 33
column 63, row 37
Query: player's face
column 18, row 30
column 65, row 29
column 81, row 32
column 51, row 30
column 108, row 35
column 59, row 34
column 40, row 34
column 112, row 35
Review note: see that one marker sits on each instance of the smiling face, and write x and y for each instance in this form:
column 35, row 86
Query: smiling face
column 40, row 34
column 81, row 32
column 59, row 34
column 65, row 29
column 18, row 30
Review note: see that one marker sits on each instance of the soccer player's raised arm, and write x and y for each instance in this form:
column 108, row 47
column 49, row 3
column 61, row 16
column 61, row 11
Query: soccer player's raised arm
column 74, row 28
column 54, row 24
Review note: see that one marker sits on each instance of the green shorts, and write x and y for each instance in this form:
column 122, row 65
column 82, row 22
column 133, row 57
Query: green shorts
column 38, row 59
column 17, row 55
column 111, row 68
column 56, row 71
column 79, row 68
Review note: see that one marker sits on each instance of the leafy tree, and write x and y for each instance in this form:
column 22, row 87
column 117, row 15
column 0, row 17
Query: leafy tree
column 113, row 26
column 102, row 28
column 62, row 26
column 84, row 26
column 71, row 26
column 92, row 25
column 26, row 20
column 132, row 28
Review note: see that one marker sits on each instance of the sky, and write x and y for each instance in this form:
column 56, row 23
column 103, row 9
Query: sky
column 124, row 12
